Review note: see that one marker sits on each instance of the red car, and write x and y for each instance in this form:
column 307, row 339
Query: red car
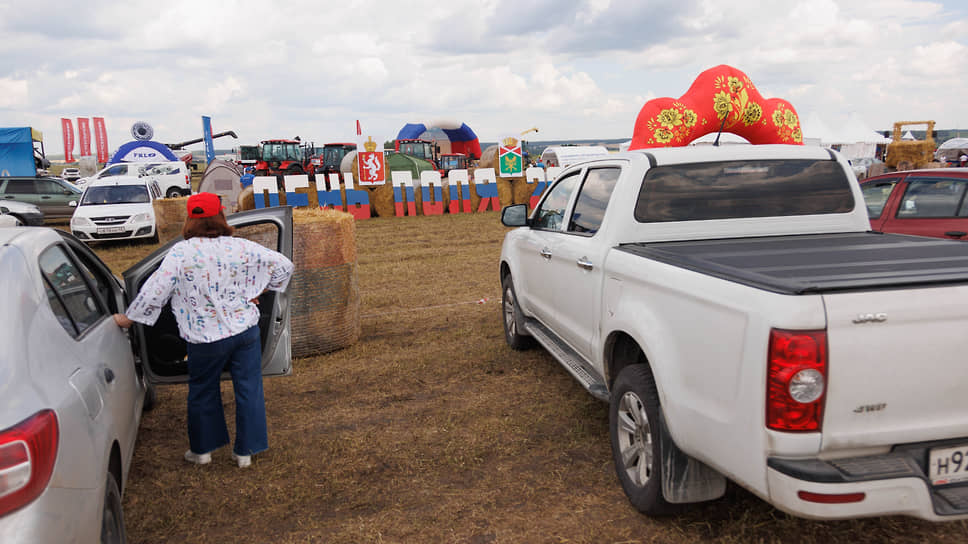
column 921, row 202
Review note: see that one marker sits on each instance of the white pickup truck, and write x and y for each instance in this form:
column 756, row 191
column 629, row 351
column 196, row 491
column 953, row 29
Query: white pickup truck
column 732, row 307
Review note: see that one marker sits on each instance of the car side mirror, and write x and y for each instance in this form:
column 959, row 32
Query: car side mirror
column 72, row 203
column 515, row 215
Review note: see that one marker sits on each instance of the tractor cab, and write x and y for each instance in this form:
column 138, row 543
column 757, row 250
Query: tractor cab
column 453, row 161
column 332, row 156
column 281, row 157
column 422, row 149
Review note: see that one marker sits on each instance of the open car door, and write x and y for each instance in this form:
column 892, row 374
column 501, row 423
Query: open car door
column 163, row 352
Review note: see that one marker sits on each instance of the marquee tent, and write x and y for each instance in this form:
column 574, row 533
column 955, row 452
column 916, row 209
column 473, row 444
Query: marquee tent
column 855, row 138
column 952, row 149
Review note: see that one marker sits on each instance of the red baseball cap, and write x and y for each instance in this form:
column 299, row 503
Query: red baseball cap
column 204, row 205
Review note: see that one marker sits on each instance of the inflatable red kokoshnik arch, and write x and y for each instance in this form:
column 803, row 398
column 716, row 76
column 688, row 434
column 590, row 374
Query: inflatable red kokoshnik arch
column 721, row 98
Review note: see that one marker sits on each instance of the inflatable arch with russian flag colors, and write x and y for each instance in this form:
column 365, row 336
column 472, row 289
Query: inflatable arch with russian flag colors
column 462, row 138
column 721, row 99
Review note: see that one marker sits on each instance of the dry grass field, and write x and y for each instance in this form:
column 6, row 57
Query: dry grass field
column 430, row 429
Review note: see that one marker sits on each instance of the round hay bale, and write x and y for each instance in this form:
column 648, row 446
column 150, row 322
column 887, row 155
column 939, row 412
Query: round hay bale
column 381, row 196
column 325, row 288
column 488, row 158
column 170, row 214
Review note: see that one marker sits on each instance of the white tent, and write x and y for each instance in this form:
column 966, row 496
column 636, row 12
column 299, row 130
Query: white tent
column 814, row 130
column 854, row 137
column 908, row 136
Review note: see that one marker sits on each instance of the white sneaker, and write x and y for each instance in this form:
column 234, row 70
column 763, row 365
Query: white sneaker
column 198, row 458
column 242, row 460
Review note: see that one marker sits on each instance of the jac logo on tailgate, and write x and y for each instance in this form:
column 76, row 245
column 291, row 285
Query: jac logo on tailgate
column 870, row 318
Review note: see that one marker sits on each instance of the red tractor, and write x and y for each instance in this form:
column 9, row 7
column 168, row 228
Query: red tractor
column 282, row 157
column 453, row 161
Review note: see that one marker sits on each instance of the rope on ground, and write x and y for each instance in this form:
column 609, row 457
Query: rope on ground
column 483, row 300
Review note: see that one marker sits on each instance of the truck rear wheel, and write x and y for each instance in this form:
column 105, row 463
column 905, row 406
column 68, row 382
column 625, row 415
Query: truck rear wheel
column 633, row 424
column 512, row 316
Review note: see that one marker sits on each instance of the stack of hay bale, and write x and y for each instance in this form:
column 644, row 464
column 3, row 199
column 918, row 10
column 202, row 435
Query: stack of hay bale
column 325, row 288
column 170, row 214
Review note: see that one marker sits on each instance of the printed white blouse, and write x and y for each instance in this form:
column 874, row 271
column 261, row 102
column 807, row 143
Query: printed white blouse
column 211, row 282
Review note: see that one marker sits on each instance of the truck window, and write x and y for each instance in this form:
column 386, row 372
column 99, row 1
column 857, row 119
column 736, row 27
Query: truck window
column 550, row 214
column 593, row 199
column 735, row 189
column 932, row 197
column 876, row 195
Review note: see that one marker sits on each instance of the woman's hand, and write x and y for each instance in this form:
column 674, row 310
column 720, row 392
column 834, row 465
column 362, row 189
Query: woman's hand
column 123, row 321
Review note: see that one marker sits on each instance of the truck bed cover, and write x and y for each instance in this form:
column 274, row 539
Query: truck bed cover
column 818, row 263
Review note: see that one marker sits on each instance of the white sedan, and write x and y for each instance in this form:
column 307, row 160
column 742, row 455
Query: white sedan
column 73, row 384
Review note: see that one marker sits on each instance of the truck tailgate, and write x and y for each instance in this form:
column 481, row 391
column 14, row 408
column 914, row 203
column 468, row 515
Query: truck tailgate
column 897, row 366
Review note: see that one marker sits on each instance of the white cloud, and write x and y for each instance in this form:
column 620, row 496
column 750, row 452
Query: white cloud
column 13, row 93
column 574, row 68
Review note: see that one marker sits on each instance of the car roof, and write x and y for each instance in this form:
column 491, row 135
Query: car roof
column 943, row 172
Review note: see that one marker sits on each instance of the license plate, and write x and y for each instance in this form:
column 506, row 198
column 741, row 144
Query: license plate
column 948, row 465
column 109, row 230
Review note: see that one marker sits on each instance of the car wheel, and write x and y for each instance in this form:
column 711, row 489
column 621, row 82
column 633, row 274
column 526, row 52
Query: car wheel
column 633, row 425
column 509, row 305
column 151, row 399
column 173, row 192
column 112, row 515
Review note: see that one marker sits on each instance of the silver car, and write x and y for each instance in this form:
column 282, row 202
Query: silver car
column 24, row 214
column 73, row 385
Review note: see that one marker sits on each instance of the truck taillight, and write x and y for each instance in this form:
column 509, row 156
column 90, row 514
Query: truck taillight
column 27, row 454
column 796, row 380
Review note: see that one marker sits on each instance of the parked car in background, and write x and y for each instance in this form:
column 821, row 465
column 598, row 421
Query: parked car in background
column 861, row 166
column 73, row 385
column 23, row 214
column 55, row 197
column 174, row 178
column 117, row 208
column 71, row 174
column 928, row 202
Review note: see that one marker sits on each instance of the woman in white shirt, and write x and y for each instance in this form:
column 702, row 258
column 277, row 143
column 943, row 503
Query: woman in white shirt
column 213, row 281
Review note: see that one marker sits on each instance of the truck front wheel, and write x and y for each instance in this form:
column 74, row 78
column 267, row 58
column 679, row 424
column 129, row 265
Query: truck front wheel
column 509, row 306
column 633, row 424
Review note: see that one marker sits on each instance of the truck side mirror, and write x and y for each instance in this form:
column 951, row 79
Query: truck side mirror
column 515, row 215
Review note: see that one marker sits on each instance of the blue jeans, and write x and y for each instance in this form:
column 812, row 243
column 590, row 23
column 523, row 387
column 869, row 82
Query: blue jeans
column 242, row 355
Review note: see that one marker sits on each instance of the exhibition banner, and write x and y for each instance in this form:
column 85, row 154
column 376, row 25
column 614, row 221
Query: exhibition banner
column 207, row 136
column 100, row 139
column 67, row 129
column 84, row 136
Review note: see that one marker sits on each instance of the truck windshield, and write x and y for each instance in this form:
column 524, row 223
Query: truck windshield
column 735, row 189
column 116, row 194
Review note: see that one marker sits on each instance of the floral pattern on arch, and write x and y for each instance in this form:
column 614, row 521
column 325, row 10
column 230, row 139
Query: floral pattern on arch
column 719, row 97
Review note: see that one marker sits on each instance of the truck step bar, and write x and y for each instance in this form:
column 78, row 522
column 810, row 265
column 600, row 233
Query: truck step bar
column 569, row 358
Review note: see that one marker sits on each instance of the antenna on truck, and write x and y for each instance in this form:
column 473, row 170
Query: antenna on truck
column 720, row 133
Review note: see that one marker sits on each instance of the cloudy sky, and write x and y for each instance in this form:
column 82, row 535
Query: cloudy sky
column 575, row 69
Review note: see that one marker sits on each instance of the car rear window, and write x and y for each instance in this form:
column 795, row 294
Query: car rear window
column 736, row 189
